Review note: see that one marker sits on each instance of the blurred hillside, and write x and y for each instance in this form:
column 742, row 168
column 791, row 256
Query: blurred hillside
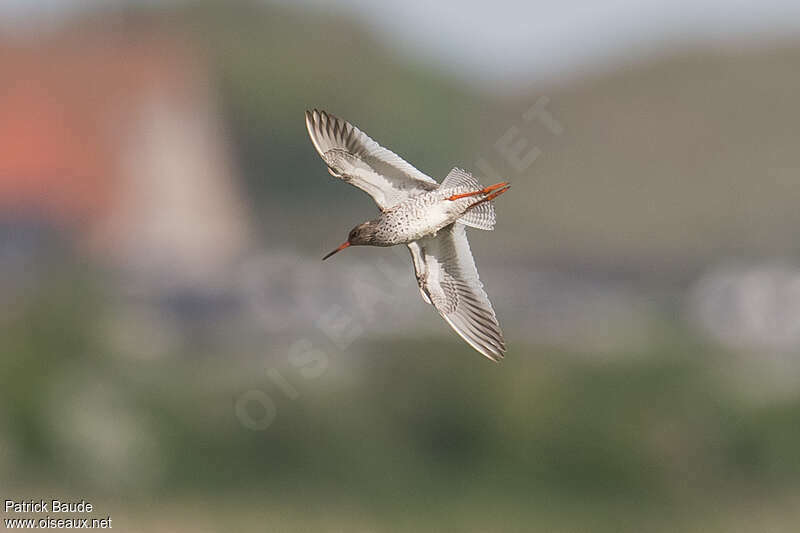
column 174, row 351
column 698, row 147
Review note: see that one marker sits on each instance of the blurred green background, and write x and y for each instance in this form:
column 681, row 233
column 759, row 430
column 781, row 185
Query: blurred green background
column 174, row 352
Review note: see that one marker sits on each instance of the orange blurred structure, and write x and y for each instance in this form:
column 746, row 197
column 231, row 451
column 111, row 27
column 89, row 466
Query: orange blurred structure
column 113, row 136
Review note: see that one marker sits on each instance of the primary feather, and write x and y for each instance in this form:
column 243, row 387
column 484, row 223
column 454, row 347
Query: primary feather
column 352, row 156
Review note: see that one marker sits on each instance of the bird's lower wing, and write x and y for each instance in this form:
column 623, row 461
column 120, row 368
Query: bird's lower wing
column 352, row 156
column 448, row 280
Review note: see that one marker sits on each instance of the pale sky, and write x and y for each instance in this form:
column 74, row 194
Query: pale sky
column 526, row 40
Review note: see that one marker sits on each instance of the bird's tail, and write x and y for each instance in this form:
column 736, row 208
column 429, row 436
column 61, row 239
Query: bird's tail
column 481, row 214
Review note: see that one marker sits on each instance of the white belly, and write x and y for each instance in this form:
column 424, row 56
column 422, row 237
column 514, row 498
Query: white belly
column 419, row 217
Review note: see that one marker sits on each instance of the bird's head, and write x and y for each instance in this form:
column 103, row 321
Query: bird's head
column 363, row 234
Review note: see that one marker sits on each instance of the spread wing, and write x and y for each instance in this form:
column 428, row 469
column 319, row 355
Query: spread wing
column 449, row 281
column 352, row 156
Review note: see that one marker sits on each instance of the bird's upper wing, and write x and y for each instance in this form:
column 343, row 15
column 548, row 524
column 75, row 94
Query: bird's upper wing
column 352, row 156
column 449, row 281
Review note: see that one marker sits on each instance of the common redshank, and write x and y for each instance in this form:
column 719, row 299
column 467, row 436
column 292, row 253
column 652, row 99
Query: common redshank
column 428, row 217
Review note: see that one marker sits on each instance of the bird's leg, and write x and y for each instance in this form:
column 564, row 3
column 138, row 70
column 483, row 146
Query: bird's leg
column 491, row 196
column 485, row 190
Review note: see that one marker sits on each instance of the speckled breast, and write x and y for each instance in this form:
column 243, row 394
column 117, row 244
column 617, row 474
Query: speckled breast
column 420, row 216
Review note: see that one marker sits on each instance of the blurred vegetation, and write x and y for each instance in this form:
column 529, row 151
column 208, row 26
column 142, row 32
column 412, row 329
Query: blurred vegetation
column 409, row 435
column 416, row 434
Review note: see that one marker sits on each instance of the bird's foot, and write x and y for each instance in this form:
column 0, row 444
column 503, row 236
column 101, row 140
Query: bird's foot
column 491, row 196
column 503, row 186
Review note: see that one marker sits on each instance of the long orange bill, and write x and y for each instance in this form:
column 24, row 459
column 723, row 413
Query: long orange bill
column 339, row 249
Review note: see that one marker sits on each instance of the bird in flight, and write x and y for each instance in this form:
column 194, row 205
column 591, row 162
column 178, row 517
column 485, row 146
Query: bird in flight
column 428, row 217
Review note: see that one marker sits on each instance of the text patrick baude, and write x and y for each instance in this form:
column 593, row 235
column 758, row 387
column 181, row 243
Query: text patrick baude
column 53, row 507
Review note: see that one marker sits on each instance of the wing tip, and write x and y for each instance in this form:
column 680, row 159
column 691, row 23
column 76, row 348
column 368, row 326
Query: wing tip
column 327, row 131
column 499, row 352
column 316, row 116
column 315, row 124
column 496, row 358
column 311, row 116
column 492, row 346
